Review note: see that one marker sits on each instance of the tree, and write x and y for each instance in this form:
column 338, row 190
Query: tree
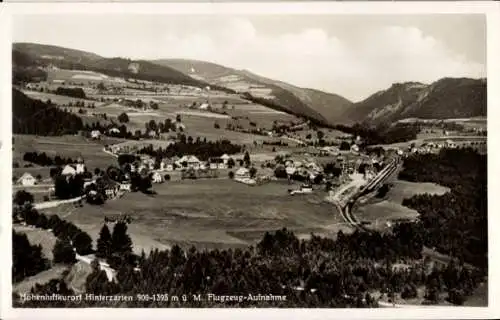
column 252, row 172
column 178, row 118
column 345, row 146
column 23, row 197
column 320, row 134
column 27, row 260
column 63, row 252
column 82, row 243
column 104, row 243
column 123, row 118
column 246, row 159
column 231, row 175
column 216, row 125
column 120, row 240
column 230, row 163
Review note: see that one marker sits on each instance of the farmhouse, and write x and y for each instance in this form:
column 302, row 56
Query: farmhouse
column 189, row 161
column 225, row 158
column 95, row 134
column 354, row 148
column 167, row 164
column 27, row 180
column 125, row 186
column 69, row 170
column 242, row 173
column 157, row 178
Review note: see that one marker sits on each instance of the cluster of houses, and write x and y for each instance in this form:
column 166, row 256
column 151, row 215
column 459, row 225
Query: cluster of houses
column 426, row 147
column 27, row 179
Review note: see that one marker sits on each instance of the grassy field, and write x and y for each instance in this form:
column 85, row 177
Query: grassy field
column 211, row 214
column 380, row 210
column 57, row 99
column 64, row 146
column 39, row 237
column 43, row 277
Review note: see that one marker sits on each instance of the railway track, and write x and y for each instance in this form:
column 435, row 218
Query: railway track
column 345, row 210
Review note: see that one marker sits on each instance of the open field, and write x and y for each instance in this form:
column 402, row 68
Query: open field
column 211, row 213
column 390, row 207
column 64, row 146
column 57, row 99
column 41, row 278
column 40, row 237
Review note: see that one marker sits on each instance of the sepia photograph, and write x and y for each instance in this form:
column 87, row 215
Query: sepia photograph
column 246, row 160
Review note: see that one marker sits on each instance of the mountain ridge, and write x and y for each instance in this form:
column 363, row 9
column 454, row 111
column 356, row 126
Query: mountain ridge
column 442, row 99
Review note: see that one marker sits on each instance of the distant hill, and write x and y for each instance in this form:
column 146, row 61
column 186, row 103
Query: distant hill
column 444, row 99
column 321, row 106
column 25, row 54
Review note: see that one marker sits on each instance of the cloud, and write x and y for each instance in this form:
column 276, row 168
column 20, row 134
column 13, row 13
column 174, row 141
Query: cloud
column 355, row 60
column 314, row 58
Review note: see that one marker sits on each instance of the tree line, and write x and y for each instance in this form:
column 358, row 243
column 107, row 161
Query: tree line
column 456, row 222
column 71, row 92
column 202, row 149
column 27, row 259
column 319, row 272
column 42, row 159
column 382, row 134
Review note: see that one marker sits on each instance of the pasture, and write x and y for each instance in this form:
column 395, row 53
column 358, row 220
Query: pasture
column 390, row 207
column 57, row 99
column 64, row 146
column 211, row 214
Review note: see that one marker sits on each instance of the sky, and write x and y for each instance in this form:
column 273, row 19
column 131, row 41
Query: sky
column 350, row 55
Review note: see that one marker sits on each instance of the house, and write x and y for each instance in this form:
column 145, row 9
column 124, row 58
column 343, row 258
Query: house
column 225, row 158
column 213, row 165
column 190, row 162
column 152, row 133
column 179, row 126
column 114, row 130
column 204, row 106
column 69, row 170
column 222, row 165
column 95, row 134
column 125, row 186
column 290, row 170
column 111, row 192
column 242, row 173
column 27, row 180
column 157, row 178
column 354, row 148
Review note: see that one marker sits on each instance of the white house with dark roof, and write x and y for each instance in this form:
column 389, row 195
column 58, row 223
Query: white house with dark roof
column 27, row 180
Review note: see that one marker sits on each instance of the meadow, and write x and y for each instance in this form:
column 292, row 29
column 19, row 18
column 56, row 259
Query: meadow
column 64, row 146
column 381, row 210
column 211, row 214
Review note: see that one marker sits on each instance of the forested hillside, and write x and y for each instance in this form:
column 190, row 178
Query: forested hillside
column 36, row 117
column 456, row 222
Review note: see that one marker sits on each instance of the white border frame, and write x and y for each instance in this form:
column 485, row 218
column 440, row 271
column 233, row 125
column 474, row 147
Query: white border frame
column 491, row 9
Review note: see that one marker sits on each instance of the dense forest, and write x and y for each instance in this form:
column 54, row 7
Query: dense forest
column 36, row 117
column 399, row 132
column 71, row 92
column 456, row 222
column 319, row 272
